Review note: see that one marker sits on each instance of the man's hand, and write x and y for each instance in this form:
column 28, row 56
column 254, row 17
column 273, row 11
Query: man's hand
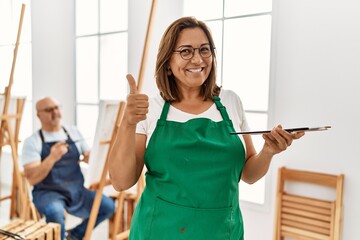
column 58, row 150
column 85, row 157
column 37, row 171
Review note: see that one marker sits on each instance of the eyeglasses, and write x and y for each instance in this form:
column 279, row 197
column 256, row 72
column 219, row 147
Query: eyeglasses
column 188, row 52
column 50, row 109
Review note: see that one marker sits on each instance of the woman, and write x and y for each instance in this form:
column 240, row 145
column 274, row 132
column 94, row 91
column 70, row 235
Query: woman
column 182, row 136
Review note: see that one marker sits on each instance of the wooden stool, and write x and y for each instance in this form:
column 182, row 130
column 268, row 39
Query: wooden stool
column 32, row 230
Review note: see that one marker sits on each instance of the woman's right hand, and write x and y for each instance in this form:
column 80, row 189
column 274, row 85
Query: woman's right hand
column 137, row 104
column 126, row 156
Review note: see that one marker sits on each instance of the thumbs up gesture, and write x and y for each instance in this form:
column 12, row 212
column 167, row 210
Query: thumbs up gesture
column 137, row 104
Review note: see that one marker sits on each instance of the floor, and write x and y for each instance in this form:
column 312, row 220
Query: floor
column 100, row 232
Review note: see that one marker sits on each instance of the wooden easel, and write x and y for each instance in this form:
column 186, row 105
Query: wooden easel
column 20, row 200
column 104, row 181
column 9, row 137
column 122, row 197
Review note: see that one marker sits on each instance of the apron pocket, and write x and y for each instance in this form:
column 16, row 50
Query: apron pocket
column 172, row 221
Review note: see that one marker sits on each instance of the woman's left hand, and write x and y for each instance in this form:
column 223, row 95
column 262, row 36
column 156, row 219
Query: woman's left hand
column 279, row 140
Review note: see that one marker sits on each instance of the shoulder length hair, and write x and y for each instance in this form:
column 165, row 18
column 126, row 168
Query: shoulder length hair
column 167, row 84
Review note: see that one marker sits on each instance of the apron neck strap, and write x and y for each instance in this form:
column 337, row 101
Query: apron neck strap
column 221, row 108
column 218, row 104
column 165, row 111
column 42, row 135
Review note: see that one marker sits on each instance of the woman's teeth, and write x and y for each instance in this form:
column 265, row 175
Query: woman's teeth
column 195, row 70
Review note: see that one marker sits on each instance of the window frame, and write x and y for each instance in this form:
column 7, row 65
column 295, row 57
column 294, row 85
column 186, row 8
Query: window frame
column 265, row 205
column 100, row 35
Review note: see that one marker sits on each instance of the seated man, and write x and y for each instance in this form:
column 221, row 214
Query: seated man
column 51, row 164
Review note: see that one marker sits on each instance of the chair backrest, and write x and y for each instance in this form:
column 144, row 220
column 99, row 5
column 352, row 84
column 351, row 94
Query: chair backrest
column 299, row 216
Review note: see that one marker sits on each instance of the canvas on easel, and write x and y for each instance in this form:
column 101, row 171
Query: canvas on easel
column 108, row 111
column 110, row 114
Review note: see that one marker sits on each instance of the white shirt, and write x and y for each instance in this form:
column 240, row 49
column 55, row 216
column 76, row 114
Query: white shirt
column 228, row 98
column 32, row 147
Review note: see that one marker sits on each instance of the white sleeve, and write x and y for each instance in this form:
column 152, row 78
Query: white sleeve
column 141, row 127
column 244, row 126
column 76, row 135
column 148, row 125
column 83, row 145
column 235, row 109
column 31, row 151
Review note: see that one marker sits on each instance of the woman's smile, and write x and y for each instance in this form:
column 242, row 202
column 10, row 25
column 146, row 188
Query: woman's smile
column 195, row 70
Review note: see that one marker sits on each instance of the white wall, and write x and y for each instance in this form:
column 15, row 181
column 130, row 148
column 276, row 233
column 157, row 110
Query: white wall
column 316, row 81
column 165, row 12
column 53, row 43
column 53, row 55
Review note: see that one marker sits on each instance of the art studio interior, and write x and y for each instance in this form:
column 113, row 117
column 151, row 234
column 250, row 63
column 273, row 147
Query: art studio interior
column 294, row 63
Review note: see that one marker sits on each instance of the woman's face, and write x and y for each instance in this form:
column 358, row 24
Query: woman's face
column 191, row 73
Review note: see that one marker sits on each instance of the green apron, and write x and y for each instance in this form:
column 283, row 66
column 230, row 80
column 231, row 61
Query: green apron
column 192, row 181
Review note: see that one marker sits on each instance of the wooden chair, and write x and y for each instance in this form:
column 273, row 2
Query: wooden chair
column 119, row 223
column 308, row 218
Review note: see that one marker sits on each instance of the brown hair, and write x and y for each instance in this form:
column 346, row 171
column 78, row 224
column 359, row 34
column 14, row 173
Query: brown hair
column 167, row 84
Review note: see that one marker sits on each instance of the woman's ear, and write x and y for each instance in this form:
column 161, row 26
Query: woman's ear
column 169, row 72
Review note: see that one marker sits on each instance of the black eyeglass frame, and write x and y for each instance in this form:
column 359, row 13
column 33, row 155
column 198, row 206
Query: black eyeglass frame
column 193, row 51
column 50, row 109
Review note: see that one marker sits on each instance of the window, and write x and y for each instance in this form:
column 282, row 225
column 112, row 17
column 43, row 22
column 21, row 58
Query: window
column 10, row 11
column 101, row 58
column 242, row 32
